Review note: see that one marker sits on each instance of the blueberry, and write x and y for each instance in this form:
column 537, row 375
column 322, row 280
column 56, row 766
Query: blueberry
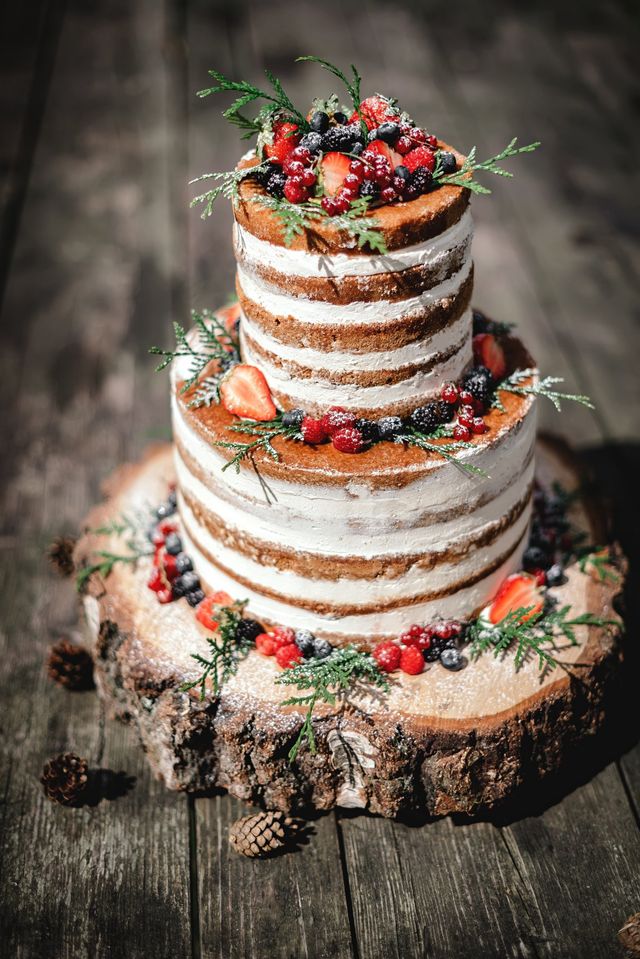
column 172, row 498
column 305, row 641
column 535, row 558
column 389, row 427
column 340, row 118
column 183, row 563
column 312, row 141
column 248, row 629
column 389, row 132
column 195, row 597
column 555, row 575
column 402, row 171
column 173, row 544
column 187, row 582
column 165, row 510
column 452, row 659
column 293, row 417
column 357, row 148
column 448, row 162
column 319, row 122
column 321, row 648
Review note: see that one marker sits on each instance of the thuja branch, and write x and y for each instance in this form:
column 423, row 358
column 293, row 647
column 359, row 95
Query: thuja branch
column 226, row 649
column 212, row 342
column 104, row 560
column 264, row 434
column 517, row 383
column 295, row 218
column 465, row 176
column 527, row 632
column 448, row 451
column 227, row 187
column 352, row 85
column 325, row 680
column 277, row 101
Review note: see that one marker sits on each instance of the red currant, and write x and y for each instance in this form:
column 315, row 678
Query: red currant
column 461, row 433
column 466, row 399
column 302, row 154
column 341, row 202
column 418, row 135
column 352, row 181
column 328, row 205
column 443, row 630
column 293, row 167
column 432, row 141
column 357, row 167
column 403, row 145
column 449, row 393
column 295, row 191
column 478, row 425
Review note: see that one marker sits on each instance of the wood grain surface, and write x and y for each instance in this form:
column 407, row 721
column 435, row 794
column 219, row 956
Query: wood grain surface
column 99, row 134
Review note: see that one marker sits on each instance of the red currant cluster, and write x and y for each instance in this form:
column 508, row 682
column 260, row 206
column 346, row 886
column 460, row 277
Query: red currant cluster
column 300, row 175
column 469, row 412
column 422, row 644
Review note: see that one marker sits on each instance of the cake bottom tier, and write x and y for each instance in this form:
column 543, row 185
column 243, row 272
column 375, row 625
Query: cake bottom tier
column 440, row 742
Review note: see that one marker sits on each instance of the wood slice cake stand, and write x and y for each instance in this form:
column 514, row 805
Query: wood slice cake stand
column 441, row 742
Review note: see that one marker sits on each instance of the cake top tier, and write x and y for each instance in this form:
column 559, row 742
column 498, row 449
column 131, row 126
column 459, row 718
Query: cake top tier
column 354, row 176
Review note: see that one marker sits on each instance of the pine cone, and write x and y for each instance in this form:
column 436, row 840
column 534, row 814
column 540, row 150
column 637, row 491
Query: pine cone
column 263, row 834
column 70, row 666
column 65, row 779
column 60, row 555
column 629, row 935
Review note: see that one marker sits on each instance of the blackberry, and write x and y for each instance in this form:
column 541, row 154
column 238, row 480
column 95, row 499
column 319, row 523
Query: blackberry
column 448, row 162
column 555, row 575
column 535, row 558
column 305, row 641
column 389, row 132
column 321, row 649
column 389, row 427
column 357, row 148
column 421, row 180
column 275, row 184
column 312, row 141
column 446, row 411
column 319, row 122
column 195, row 597
column 173, row 544
column 479, row 382
column 452, row 659
column 293, row 417
column 186, row 583
column 432, row 655
column 369, row 188
column 337, row 138
column 369, row 430
column 340, row 117
column 248, row 629
column 165, row 510
column 426, row 418
column 184, row 563
column 262, row 174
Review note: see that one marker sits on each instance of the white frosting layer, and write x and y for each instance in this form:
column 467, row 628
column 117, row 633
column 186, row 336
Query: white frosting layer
column 300, row 263
column 372, row 311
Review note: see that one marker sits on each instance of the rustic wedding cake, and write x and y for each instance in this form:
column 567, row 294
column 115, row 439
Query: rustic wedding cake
column 352, row 506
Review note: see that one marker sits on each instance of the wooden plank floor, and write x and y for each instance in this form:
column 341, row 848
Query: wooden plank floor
column 99, row 134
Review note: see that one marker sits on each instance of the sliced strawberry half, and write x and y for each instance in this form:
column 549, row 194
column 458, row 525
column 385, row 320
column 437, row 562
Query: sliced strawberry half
column 334, row 167
column 488, row 352
column 285, row 139
column 374, row 111
column 421, row 156
column 245, row 392
column 379, row 146
column 519, row 591
column 228, row 316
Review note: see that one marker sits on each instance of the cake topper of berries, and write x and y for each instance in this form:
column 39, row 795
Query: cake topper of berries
column 338, row 161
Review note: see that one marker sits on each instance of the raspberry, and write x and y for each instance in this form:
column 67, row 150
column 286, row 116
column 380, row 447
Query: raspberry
column 283, row 636
column 336, row 419
column 449, row 393
column 411, row 661
column 421, row 156
column 348, row 441
column 265, row 644
column 288, row 656
column 387, row 656
column 312, row 430
column 157, row 581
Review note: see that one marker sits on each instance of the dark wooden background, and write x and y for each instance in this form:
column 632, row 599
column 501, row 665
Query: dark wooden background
column 99, row 134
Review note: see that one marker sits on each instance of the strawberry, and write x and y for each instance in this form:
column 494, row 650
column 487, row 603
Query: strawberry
column 228, row 316
column 335, row 169
column 285, row 140
column 519, row 591
column 379, row 146
column 265, row 644
column 374, row 111
column 421, row 156
column 206, row 612
column 488, row 352
column 244, row 391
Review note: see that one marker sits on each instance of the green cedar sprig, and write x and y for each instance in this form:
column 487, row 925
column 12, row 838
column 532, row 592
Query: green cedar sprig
column 352, row 85
column 227, row 187
column 533, row 635
column 515, row 383
column 297, row 217
column 448, row 451
column 465, row 175
column 277, row 102
column 104, row 560
column 326, row 680
column 213, row 342
column 264, row 433
column 598, row 560
column 226, row 650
